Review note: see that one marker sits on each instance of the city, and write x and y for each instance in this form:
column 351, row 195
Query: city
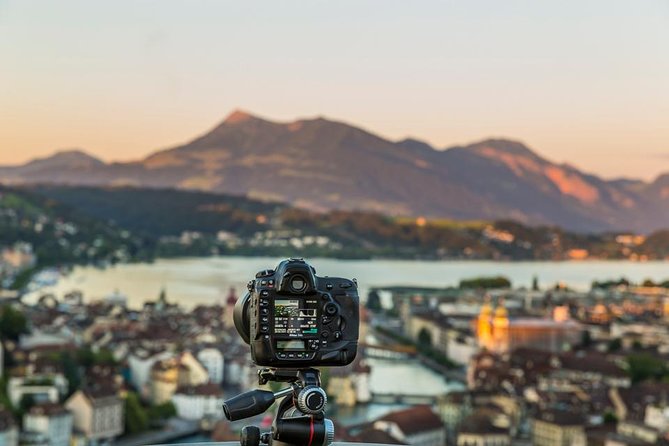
column 536, row 365
column 334, row 223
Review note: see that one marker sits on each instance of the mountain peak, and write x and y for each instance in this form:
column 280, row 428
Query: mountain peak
column 503, row 146
column 416, row 145
column 69, row 156
column 238, row 116
column 63, row 159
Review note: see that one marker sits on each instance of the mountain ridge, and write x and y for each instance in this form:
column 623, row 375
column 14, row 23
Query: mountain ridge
column 321, row 164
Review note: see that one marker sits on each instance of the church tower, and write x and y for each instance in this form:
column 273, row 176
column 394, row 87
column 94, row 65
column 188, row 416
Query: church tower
column 484, row 327
column 500, row 328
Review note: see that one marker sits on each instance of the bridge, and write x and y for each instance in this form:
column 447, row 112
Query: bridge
column 408, row 399
column 388, row 352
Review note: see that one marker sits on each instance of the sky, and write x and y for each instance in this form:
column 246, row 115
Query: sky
column 581, row 82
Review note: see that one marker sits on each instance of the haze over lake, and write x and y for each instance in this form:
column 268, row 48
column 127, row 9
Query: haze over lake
column 193, row 281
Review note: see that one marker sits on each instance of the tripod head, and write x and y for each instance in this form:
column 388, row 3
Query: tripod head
column 300, row 419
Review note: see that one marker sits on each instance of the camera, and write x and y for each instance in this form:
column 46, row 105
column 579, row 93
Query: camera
column 293, row 318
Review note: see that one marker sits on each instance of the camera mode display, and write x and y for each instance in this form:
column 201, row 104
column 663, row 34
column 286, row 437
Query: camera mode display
column 295, row 318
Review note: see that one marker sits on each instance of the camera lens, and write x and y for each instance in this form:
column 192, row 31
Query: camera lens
column 297, row 283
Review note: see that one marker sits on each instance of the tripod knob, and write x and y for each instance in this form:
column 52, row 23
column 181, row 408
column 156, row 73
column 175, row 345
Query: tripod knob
column 329, row 431
column 250, row 436
column 311, row 400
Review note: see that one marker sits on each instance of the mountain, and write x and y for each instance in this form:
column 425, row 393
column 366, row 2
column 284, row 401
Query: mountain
column 321, row 164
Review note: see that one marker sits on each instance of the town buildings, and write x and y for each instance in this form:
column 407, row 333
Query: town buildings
column 195, row 402
column 418, row 425
column 53, row 421
column 9, row 430
column 97, row 413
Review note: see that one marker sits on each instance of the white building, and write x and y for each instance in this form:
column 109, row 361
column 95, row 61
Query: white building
column 53, row 421
column 657, row 416
column 196, row 402
column 197, row 373
column 9, row 432
column 212, row 360
column 98, row 414
column 41, row 389
column 140, row 362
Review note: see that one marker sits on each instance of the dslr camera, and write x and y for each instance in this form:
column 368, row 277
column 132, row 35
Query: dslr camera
column 293, row 318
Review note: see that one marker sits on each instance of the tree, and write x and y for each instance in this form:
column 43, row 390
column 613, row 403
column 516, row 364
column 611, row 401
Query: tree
column 12, row 323
column 648, row 283
column 485, row 282
column 614, row 345
column 4, row 398
column 85, row 357
column 373, row 301
column 27, row 401
column 642, row 366
column 157, row 414
column 136, row 419
column 610, row 417
column 71, row 372
column 424, row 338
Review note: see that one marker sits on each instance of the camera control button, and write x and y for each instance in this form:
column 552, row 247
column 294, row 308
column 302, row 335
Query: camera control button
column 264, row 311
column 291, row 356
column 264, row 293
column 263, row 282
column 264, row 273
column 337, row 336
column 345, row 285
column 281, row 355
column 264, row 328
column 329, row 286
column 264, row 302
column 330, row 309
column 325, row 334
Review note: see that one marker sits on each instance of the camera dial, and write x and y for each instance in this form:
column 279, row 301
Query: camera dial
column 312, row 400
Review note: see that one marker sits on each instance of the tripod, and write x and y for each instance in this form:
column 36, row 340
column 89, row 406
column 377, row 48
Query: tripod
column 300, row 419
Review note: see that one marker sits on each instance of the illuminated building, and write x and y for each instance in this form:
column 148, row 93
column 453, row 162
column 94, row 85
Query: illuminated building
column 499, row 333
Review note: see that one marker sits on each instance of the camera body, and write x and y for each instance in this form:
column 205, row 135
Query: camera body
column 293, row 318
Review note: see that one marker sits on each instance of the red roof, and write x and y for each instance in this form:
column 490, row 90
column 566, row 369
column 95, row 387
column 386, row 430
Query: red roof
column 415, row 420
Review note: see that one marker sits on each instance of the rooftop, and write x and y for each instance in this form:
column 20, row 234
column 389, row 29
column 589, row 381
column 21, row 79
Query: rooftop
column 414, row 420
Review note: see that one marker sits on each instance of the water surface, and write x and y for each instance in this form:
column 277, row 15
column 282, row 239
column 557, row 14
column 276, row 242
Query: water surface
column 193, row 281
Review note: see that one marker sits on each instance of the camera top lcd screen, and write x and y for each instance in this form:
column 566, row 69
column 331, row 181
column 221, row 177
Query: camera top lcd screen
column 296, row 318
column 291, row 345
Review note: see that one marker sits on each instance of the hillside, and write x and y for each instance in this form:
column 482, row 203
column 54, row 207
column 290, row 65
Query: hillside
column 199, row 223
column 318, row 164
column 61, row 235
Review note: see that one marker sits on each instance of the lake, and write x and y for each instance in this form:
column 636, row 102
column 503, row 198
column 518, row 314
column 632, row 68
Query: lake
column 192, row 281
